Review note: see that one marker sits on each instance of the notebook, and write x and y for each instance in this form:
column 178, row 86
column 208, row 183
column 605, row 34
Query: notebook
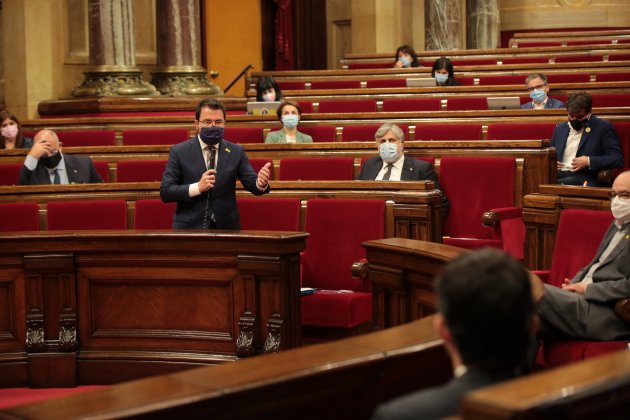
column 262, row 108
column 423, row 82
column 504, row 102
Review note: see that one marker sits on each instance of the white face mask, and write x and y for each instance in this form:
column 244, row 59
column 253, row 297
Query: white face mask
column 441, row 78
column 620, row 210
column 388, row 152
column 269, row 97
column 10, row 131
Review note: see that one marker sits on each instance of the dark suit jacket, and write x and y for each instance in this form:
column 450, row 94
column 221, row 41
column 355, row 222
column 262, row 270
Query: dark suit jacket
column 438, row 402
column 551, row 103
column 599, row 142
column 413, row 170
column 186, row 165
column 79, row 168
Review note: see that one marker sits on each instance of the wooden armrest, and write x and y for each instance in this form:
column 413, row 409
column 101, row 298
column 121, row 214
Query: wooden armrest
column 359, row 269
column 492, row 217
column 607, row 176
column 622, row 309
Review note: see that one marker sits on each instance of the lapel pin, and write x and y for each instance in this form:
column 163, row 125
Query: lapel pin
column 627, row 237
column 588, row 129
column 227, row 150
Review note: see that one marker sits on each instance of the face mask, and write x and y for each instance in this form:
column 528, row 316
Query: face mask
column 441, row 78
column 388, row 152
column 290, row 121
column 269, row 97
column 578, row 124
column 211, row 135
column 537, row 95
column 406, row 62
column 620, row 210
column 10, row 131
column 51, row 161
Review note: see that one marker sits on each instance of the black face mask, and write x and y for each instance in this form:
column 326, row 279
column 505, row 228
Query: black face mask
column 211, row 135
column 51, row 161
column 578, row 124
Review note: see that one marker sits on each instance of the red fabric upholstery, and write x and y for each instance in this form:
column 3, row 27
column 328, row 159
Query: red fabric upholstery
column 381, row 65
column 568, row 78
column 87, row 138
column 336, row 84
column 87, row 215
column 150, row 137
column 10, row 173
column 415, row 104
column 102, row 167
column 17, row 217
column 284, row 85
column 525, row 60
column 465, row 80
column 356, row 105
column 337, row 228
column 582, row 58
column 320, row 133
column 306, row 107
column 590, row 42
column 154, row 214
column 474, row 62
column 623, row 131
column 619, row 57
column 364, row 132
column 448, row 132
column 258, row 163
column 602, row 100
column 464, row 103
column 539, row 44
column 244, row 134
column 269, row 213
column 520, row 131
column 140, row 170
column 564, row 352
column 292, row 169
column 614, row 77
column 502, row 80
column 387, row 83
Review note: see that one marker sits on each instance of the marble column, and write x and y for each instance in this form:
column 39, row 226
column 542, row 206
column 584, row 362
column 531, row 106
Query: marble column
column 112, row 70
column 179, row 71
column 442, row 22
column 483, row 29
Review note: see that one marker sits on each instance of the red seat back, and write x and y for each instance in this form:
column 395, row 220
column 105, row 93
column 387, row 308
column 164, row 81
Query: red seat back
column 258, row 163
column 355, row 105
column 415, row 104
column 525, row 60
column 568, row 78
column 337, row 228
column 284, row 85
column 154, row 214
column 387, row 83
column 601, row 100
column 473, row 186
column 320, row 133
column 614, row 77
column 293, row 169
column 244, row 134
column 263, row 213
column 336, row 84
column 578, row 236
column 306, row 107
column 623, row 131
column 465, row 103
column 578, row 58
column 502, row 80
column 520, row 131
column 379, row 65
column 17, row 217
column 102, row 167
column 80, row 138
column 448, row 132
column 140, row 170
column 364, row 132
column 10, row 173
column 150, row 137
column 87, row 215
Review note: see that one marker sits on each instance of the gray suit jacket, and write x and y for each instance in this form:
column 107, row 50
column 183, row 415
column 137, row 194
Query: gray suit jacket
column 280, row 137
column 551, row 103
column 79, row 168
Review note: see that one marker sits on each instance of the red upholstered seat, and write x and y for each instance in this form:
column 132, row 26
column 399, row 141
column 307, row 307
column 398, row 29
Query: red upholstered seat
column 158, row 136
column 244, row 134
column 336, row 84
column 590, row 42
column 578, row 58
column 465, row 80
column 539, row 44
column 619, row 57
column 520, row 131
column 448, row 132
column 601, row 100
column 102, row 167
column 258, row 163
column 87, row 215
column 623, row 131
column 475, row 185
column 614, row 77
column 387, row 83
column 306, row 107
column 464, row 103
column 18, row 217
column 10, row 173
column 284, row 85
column 525, row 60
column 355, row 105
column 364, row 132
column 337, row 228
column 140, row 170
column 320, row 133
column 87, row 138
column 154, row 214
column 568, row 78
column 502, row 80
column 414, row 104
column 379, row 65
column 292, row 169
column 262, row 213
column 474, row 62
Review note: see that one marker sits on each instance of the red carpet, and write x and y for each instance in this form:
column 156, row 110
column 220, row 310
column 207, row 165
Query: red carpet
column 10, row 397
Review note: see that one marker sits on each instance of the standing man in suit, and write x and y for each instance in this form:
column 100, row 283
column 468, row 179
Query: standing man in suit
column 585, row 144
column 487, row 319
column 201, row 174
column 46, row 164
column 583, row 308
column 538, row 88
column 391, row 164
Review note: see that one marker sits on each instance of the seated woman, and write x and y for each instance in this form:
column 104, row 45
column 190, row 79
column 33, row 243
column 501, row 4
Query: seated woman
column 289, row 113
column 267, row 90
column 12, row 137
column 443, row 72
column 406, row 57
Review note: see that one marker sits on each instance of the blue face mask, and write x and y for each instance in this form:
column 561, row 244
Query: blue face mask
column 388, row 152
column 537, row 95
column 290, row 121
column 406, row 62
column 211, row 135
column 441, row 78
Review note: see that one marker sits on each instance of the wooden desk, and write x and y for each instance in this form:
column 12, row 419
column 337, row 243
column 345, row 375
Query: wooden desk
column 102, row 307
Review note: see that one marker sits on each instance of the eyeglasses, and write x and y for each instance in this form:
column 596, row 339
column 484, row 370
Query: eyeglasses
column 537, row 87
column 624, row 195
column 210, row 123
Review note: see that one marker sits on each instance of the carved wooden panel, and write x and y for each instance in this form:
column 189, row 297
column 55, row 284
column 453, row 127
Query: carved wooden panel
column 12, row 316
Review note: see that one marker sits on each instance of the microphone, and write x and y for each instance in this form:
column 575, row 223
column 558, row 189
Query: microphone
column 213, row 155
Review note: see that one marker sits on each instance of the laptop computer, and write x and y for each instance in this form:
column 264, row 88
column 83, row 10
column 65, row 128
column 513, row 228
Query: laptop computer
column 421, row 82
column 262, row 108
column 503, row 102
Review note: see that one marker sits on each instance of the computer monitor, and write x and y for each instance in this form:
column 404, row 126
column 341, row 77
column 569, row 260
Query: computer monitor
column 421, row 82
column 262, row 108
column 504, row 102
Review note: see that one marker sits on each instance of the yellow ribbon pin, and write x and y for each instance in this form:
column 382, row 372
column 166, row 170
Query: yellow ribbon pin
column 227, row 150
column 588, row 129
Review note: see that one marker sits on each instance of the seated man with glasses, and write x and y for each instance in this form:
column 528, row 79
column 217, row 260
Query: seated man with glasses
column 583, row 308
column 201, row 174
column 538, row 88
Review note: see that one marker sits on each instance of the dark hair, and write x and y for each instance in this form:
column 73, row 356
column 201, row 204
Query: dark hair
column 408, row 49
column 285, row 103
column 19, row 139
column 535, row 76
column 579, row 101
column 486, row 300
column 209, row 103
column 445, row 63
column 265, row 83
